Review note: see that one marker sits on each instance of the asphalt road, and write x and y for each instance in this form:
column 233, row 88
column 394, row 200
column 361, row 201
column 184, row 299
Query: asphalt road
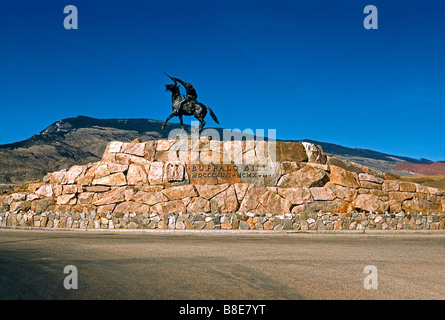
column 195, row 266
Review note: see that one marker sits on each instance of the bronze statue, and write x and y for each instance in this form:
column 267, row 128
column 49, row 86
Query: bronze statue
column 187, row 105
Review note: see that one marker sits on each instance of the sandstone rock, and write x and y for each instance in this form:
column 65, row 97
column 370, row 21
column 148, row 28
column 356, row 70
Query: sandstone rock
column 226, row 226
column 113, row 147
column 69, row 188
column 136, row 175
column 166, row 156
column 132, row 225
column 225, row 201
column 39, row 206
column 265, row 149
column 434, row 226
column 289, row 167
column 401, row 196
column 251, row 199
column 69, row 199
column 87, row 178
column 342, row 177
column 296, row 196
column 107, row 208
column 206, row 157
column 334, row 206
column 369, row 202
column 419, row 205
column 129, row 206
column 129, row 193
column 57, row 190
column 116, row 179
column 45, row 191
column 179, row 192
column 175, row 206
column 383, row 195
column 370, row 178
column 164, row 145
column 344, row 193
column 156, row 173
column 101, row 171
column 290, row 151
column 85, row 197
column 112, row 196
column 198, row 204
column 323, row 167
column 116, row 167
column 150, row 150
column 97, row 189
column 407, row 186
column 322, row 193
column 314, row 153
column 73, row 173
column 429, row 190
column 273, row 202
column 250, row 157
column 82, row 208
column 268, row 225
column 149, row 198
column 121, row 158
column 251, row 223
column 370, row 185
column 346, row 165
column 22, row 206
column 395, row 206
column 243, row 225
column 17, row 196
column 137, row 149
column 209, row 191
column 232, row 151
column 308, row 177
column 31, row 197
column 240, row 190
column 56, row 177
column 337, row 225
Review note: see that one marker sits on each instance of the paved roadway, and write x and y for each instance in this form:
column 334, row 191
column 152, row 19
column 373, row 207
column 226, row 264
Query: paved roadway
column 195, row 266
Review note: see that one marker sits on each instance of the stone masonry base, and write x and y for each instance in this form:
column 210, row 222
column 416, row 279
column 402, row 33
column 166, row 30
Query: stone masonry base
column 227, row 221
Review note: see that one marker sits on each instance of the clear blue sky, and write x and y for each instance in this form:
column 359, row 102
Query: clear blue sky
column 308, row 69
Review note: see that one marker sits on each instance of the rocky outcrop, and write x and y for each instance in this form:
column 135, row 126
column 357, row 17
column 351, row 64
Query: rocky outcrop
column 208, row 177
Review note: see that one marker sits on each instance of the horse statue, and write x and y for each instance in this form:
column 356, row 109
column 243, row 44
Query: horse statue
column 187, row 106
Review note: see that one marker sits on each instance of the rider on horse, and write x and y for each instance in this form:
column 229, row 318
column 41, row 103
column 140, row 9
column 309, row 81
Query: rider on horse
column 187, row 106
column 191, row 96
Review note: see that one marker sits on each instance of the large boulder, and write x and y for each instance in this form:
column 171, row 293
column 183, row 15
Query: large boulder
column 308, row 176
column 370, row 203
column 343, row 177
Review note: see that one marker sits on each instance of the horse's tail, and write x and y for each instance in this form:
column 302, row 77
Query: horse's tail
column 213, row 115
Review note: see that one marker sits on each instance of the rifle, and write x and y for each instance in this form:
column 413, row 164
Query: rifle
column 173, row 79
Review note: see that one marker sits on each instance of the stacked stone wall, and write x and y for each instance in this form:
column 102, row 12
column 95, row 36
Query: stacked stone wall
column 279, row 185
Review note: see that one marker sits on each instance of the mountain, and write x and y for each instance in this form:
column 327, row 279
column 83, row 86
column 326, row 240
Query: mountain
column 433, row 169
column 373, row 159
column 82, row 140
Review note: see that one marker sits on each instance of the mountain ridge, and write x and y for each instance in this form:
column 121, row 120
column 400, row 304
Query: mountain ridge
column 83, row 139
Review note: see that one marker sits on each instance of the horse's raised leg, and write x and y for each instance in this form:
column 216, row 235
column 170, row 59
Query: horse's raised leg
column 168, row 118
column 201, row 126
column 180, row 121
column 200, row 113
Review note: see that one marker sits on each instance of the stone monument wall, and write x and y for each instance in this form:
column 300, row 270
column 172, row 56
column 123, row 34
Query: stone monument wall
column 190, row 181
